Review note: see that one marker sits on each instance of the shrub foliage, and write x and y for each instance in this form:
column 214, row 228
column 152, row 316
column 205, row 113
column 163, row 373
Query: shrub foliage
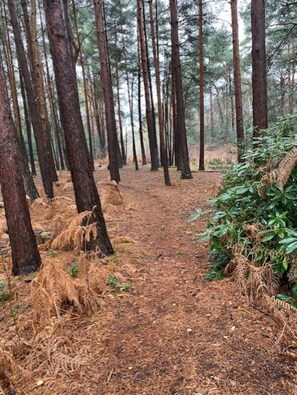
column 256, row 214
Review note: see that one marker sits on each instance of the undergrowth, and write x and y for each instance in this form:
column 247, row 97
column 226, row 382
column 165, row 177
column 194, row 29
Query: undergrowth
column 4, row 290
column 255, row 212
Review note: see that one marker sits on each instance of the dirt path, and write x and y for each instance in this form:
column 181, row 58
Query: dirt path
column 177, row 334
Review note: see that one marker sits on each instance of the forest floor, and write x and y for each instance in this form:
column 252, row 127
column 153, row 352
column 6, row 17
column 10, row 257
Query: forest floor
column 173, row 333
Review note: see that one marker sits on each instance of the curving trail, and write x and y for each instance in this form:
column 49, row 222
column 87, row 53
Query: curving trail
column 177, row 334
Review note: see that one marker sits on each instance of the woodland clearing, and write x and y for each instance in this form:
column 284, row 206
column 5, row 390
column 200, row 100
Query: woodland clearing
column 158, row 328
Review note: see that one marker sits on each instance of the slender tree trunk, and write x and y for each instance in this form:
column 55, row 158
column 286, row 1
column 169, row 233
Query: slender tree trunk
column 57, row 128
column 259, row 78
column 149, row 70
column 45, row 168
column 30, row 187
column 237, row 80
column 38, row 85
column 211, row 114
column 164, row 157
column 25, row 254
column 12, row 80
column 201, row 86
column 291, row 90
column 148, row 100
column 100, row 129
column 123, row 152
column 28, row 127
column 83, row 67
column 135, row 160
column 176, row 72
column 282, row 92
column 85, row 190
column 176, row 135
column 143, row 155
column 113, row 144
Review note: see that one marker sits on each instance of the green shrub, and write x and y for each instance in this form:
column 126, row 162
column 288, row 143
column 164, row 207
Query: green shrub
column 254, row 215
column 115, row 283
column 73, row 270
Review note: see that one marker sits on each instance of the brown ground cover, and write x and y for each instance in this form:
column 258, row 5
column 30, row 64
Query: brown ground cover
column 174, row 333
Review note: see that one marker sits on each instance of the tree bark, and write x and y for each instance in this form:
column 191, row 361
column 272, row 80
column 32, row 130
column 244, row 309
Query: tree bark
column 259, row 78
column 83, row 67
column 29, row 185
column 176, row 72
column 163, row 150
column 143, row 155
column 45, row 169
column 54, row 115
column 38, row 85
column 25, row 254
column 148, row 100
column 113, row 145
column 123, row 151
column 85, row 190
column 130, row 102
column 237, row 80
column 28, row 127
column 201, row 86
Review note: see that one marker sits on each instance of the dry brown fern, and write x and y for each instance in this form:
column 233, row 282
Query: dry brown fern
column 54, row 352
column 94, row 273
column 281, row 174
column 110, row 194
column 53, row 290
column 8, row 368
column 259, row 284
column 75, row 235
column 292, row 273
column 253, row 232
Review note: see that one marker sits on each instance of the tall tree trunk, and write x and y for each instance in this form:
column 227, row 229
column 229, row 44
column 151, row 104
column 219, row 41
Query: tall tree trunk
column 30, row 187
column 135, row 160
column 25, row 254
column 38, row 84
column 211, row 114
column 201, row 86
column 106, row 81
column 164, row 156
column 45, row 168
column 28, row 127
column 237, row 80
column 100, row 129
column 259, row 78
column 176, row 72
column 54, row 115
column 83, row 67
column 85, row 190
column 143, row 155
column 147, row 93
column 176, row 135
column 149, row 70
column 123, row 152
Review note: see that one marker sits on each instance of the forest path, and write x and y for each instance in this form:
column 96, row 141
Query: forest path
column 176, row 333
